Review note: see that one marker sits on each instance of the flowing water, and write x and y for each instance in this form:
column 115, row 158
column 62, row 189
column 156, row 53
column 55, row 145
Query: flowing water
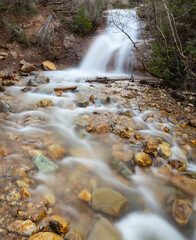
column 86, row 164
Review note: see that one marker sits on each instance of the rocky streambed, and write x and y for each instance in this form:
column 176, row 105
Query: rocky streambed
column 82, row 160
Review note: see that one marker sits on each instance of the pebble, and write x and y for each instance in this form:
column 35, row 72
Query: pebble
column 142, row 159
column 46, row 236
column 26, row 228
column 58, row 224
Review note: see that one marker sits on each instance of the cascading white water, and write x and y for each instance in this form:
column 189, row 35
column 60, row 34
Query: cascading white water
column 113, row 46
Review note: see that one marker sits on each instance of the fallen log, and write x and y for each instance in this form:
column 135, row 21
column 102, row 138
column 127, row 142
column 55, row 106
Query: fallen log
column 65, row 88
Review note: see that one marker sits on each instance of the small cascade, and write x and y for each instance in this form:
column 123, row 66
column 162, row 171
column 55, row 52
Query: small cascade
column 113, row 47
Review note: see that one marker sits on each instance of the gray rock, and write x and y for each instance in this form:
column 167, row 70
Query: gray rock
column 83, row 104
column 4, row 107
column 32, row 83
column 108, row 201
column 121, row 168
column 44, row 164
column 41, row 79
column 103, row 229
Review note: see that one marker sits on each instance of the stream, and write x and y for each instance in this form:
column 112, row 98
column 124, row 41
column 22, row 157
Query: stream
column 93, row 143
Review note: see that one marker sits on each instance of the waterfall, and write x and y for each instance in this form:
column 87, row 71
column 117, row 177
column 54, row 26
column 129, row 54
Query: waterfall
column 112, row 50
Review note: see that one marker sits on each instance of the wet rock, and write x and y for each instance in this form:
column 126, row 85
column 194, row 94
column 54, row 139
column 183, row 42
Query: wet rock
column 92, row 99
column 21, row 184
column 45, row 103
column 25, row 193
column 37, row 215
column 58, row 224
column 90, row 128
column 164, row 149
column 142, row 159
column 27, row 67
column 50, row 198
column 107, row 100
column 41, row 79
column 178, row 164
column 13, row 196
column 192, row 122
column 46, row 236
column 85, row 195
column 108, row 201
column 150, row 147
column 102, row 129
column 74, row 234
column 83, row 104
column 2, row 89
column 138, row 136
column 4, row 107
column 48, row 66
column 57, row 151
column 27, row 89
column 104, row 229
column 8, row 83
column 32, row 83
column 44, row 164
column 121, row 168
column 181, row 211
column 26, row 228
column 125, row 156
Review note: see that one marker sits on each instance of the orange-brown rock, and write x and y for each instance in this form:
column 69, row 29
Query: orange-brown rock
column 45, row 103
column 85, row 195
column 48, row 66
column 138, row 136
column 181, row 211
column 58, row 224
column 92, row 99
column 90, row 128
column 102, row 129
column 142, row 159
column 27, row 67
column 186, row 184
column 57, row 151
column 164, row 149
column 26, row 228
column 46, row 236
column 150, row 147
column 178, row 164
column 124, row 156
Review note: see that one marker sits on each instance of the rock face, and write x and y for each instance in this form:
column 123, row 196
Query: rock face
column 103, row 229
column 142, row 159
column 181, row 211
column 46, row 236
column 58, row 224
column 43, row 164
column 108, row 201
column 48, row 66
column 164, row 149
column 26, row 228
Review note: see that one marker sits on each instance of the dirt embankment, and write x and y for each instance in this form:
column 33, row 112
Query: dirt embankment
column 58, row 44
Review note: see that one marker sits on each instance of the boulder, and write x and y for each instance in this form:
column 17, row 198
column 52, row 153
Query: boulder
column 32, row 83
column 44, row 164
column 109, row 201
column 164, row 150
column 48, row 66
column 142, row 159
column 181, row 211
column 24, row 228
column 104, row 229
column 46, row 236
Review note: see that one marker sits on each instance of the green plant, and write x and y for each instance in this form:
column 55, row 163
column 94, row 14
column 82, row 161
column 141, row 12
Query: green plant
column 119, row 4
column 82, row 24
